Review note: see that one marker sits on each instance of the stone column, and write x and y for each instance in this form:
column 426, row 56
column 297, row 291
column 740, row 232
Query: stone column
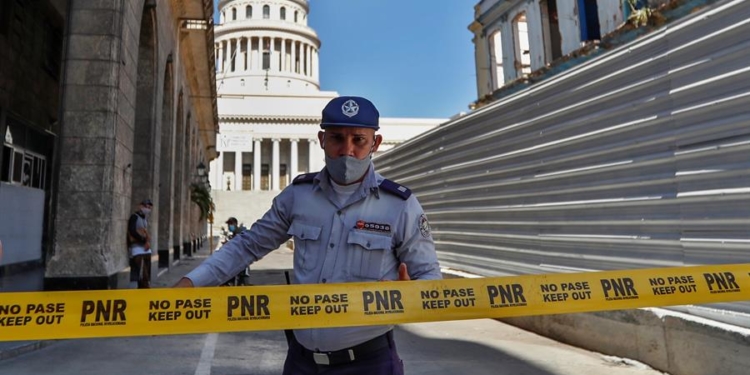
column 259, row 55
column 311, row 164
column 293, row 159
column 294, row 56
column 307, row 59
column 275, row 170
column 218, row 172
column 238, row 171
column 256, row 164
column 236, row 54
column 228, row 57
column 316, row 70
column 221, row 57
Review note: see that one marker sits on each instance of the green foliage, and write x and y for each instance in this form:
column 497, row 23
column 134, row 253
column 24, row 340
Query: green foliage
column 201, row 196
column 639, row 17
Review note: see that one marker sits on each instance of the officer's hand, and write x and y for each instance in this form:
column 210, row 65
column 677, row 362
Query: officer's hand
column 184, row 283
column 403, row 273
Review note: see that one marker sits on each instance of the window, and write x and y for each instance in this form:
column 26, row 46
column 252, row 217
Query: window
column 266, row 12
column 498, row 74
column 234, row 14
column 23, row 167
column 283, row 13
column 295, row 16
column 248, row 12
column 551, row 30
column 521, row 45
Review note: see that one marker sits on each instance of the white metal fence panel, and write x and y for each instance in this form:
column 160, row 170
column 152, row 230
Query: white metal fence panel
column 637, row 158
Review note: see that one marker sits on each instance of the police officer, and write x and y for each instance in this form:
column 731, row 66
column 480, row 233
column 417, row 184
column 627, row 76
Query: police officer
column 349, row 225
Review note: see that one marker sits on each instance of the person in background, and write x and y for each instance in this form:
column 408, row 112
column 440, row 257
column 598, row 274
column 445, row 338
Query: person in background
column 349, row 225
column 234, row 229
column 139, row 245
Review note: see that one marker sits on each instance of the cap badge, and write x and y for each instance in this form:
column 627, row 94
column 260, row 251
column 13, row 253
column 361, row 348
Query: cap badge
column 350, row 108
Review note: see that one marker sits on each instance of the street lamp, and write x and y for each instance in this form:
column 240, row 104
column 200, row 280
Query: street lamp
column 202, row 177
column 203, row 181
column 201, row 169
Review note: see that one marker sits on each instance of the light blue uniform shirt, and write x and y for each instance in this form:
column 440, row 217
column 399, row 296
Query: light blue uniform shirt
column 364, row 239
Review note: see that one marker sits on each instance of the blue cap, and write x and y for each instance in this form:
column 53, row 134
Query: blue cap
column 352, row 111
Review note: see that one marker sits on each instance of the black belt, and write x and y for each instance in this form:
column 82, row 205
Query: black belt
column 351, row 354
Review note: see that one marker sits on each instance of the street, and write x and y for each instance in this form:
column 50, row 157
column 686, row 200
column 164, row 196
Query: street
column 480, row 347
column 477, row 347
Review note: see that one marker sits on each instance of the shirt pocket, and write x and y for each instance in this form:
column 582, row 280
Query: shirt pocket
column 366, row 252
column 306, row 243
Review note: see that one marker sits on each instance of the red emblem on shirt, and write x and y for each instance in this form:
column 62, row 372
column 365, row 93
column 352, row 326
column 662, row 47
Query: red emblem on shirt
column 375, row 227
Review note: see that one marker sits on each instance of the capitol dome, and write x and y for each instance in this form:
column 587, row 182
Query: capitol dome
column 266, row 45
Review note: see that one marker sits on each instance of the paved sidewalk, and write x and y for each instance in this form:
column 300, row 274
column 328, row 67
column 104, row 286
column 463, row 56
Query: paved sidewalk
column 164, row 278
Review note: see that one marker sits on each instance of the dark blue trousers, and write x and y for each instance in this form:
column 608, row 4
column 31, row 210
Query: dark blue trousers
column 385, row 361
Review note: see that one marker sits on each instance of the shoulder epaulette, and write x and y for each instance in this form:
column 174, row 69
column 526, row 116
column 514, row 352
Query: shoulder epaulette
column 396, row 189
column 303, row 178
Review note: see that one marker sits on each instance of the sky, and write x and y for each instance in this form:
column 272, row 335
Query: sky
column 411, row 58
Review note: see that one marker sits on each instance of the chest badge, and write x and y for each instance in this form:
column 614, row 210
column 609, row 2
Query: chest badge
column 375, row 227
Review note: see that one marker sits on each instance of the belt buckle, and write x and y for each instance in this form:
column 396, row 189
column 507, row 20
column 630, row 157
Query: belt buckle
column 321, row 358
column 325, row 359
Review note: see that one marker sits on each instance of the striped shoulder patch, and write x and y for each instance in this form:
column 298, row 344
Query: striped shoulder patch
column 395, row 189
column 303, row 178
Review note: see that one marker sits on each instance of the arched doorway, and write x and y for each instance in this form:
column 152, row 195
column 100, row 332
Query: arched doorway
column 145, row 135
column 167, row 156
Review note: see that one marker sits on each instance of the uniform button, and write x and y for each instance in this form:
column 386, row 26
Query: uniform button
column 302, row 236
column 324, row 281
column 331, row 246
column 368, row 244
column 339, row 212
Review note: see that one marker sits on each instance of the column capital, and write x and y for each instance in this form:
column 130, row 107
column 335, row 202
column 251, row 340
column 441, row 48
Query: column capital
column 293, row 139
column 276, row 139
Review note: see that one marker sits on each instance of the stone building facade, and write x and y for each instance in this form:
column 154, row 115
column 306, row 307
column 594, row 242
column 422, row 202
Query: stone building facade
column 516, row 37
column 104, row 103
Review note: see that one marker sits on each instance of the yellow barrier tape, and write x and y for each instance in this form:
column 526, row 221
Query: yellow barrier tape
column 77, row 314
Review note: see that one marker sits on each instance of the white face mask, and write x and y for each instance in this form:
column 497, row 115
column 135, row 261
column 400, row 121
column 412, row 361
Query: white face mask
column 146, row 210
column 347, row 169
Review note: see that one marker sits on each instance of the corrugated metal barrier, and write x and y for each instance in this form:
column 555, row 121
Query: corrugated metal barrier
column 637, row 158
